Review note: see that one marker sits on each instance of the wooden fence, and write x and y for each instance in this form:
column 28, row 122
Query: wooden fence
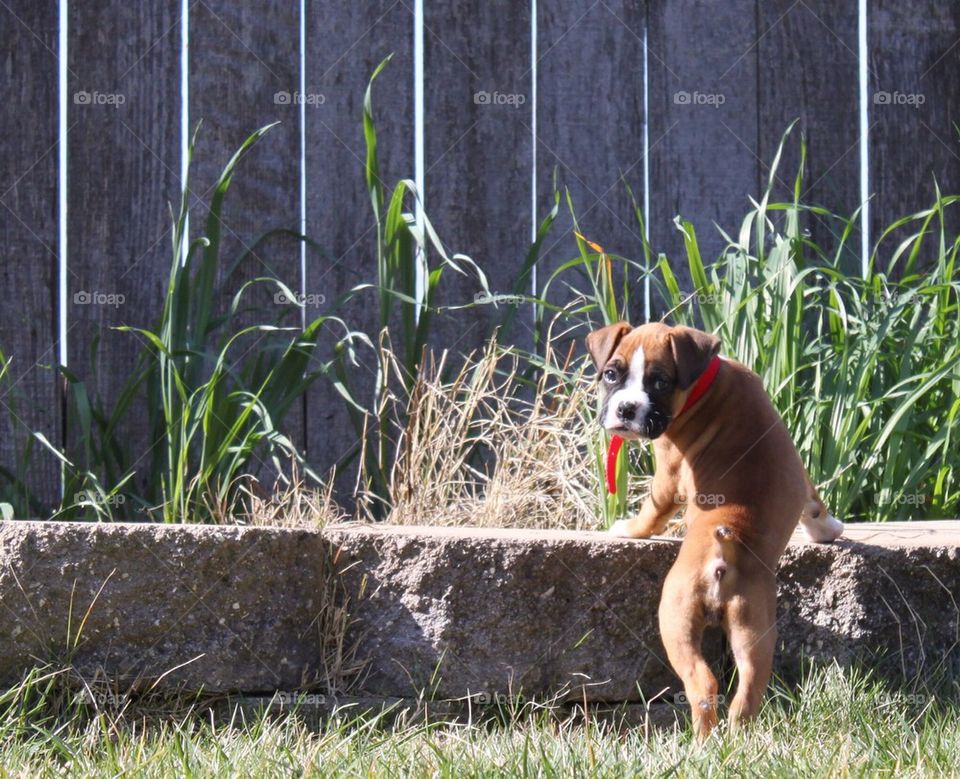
column 684, row 100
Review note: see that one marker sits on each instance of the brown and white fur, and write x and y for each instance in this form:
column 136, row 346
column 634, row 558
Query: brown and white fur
column 730, row 461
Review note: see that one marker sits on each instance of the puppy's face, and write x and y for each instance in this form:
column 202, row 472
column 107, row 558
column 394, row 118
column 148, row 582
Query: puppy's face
column 645, row 374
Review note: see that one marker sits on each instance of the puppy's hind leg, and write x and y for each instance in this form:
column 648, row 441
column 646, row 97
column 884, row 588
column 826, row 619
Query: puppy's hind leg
column 681, row 628
column 819, row 524
column 750, row 625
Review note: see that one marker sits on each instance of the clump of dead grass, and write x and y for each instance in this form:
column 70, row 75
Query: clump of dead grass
column 291, row 502
column 478, row 441
column 491, row 447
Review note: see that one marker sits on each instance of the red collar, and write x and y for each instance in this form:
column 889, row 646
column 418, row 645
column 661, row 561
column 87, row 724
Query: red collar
column 697, row 391
column 701, row 385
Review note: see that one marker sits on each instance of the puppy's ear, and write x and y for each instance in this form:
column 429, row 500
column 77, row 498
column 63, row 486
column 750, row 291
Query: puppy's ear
column 601, row 343
column 692, row 352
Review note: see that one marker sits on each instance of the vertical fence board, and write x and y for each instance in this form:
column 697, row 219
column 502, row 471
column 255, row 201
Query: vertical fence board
column 809, row 72
column 245, row 74
column 479, row 160
column 124, row 161
column 703, row 122
column 345, row 43
column 590, row 117
column 914, row 107
column 29, row 399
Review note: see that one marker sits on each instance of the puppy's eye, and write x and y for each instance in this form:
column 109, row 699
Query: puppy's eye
column 660, row 384
column 611, row 375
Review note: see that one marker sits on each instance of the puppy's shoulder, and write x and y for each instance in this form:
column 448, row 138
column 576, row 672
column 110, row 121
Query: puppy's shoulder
column 742, row 379
column 738, row 369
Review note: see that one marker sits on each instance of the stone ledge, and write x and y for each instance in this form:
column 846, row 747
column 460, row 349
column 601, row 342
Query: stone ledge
column 230, row 608
column 456, row 611
column 493, row 611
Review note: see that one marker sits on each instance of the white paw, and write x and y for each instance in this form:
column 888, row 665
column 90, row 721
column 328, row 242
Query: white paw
column 836, row 527
column 619, row 529
column 825, row 530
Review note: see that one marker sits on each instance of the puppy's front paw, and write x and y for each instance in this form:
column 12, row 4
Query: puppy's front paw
column 620, row 529
column 824, row 531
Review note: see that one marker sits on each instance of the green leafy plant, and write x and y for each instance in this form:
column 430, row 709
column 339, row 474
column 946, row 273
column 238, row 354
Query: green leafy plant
column 865, row 371
column 15, row 497
column 405, row 247
column 216, row 391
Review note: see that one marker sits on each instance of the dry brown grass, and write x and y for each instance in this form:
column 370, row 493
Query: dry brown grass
column 478, row 446
column 486, row 448
column 290, row 503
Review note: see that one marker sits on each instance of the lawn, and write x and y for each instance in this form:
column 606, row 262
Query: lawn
column 836, row 723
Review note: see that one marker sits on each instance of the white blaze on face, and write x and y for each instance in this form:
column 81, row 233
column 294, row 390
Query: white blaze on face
column 631, row 392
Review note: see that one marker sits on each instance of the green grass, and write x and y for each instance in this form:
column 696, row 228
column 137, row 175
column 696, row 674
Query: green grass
column 864, row 371
column 214, row 389
column 835, row 724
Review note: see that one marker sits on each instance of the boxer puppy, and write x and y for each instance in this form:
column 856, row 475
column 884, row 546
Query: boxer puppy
column 723, row 452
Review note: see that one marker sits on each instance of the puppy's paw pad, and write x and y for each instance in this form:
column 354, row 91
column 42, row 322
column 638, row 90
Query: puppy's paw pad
column 619, row 529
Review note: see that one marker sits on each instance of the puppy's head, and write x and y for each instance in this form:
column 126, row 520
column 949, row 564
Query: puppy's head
column 645, row 374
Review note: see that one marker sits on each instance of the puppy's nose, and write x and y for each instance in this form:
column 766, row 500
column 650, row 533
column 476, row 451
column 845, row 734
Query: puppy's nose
column 627, row 411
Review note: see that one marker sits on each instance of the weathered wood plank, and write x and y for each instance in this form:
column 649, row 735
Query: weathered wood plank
column 590, row 116
column 809, row 72
column 703, row 122
column 345, row 43
column 479, row 162
column 29, row 398
column 914, row 109
column 245, row 74
column 124, row 163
